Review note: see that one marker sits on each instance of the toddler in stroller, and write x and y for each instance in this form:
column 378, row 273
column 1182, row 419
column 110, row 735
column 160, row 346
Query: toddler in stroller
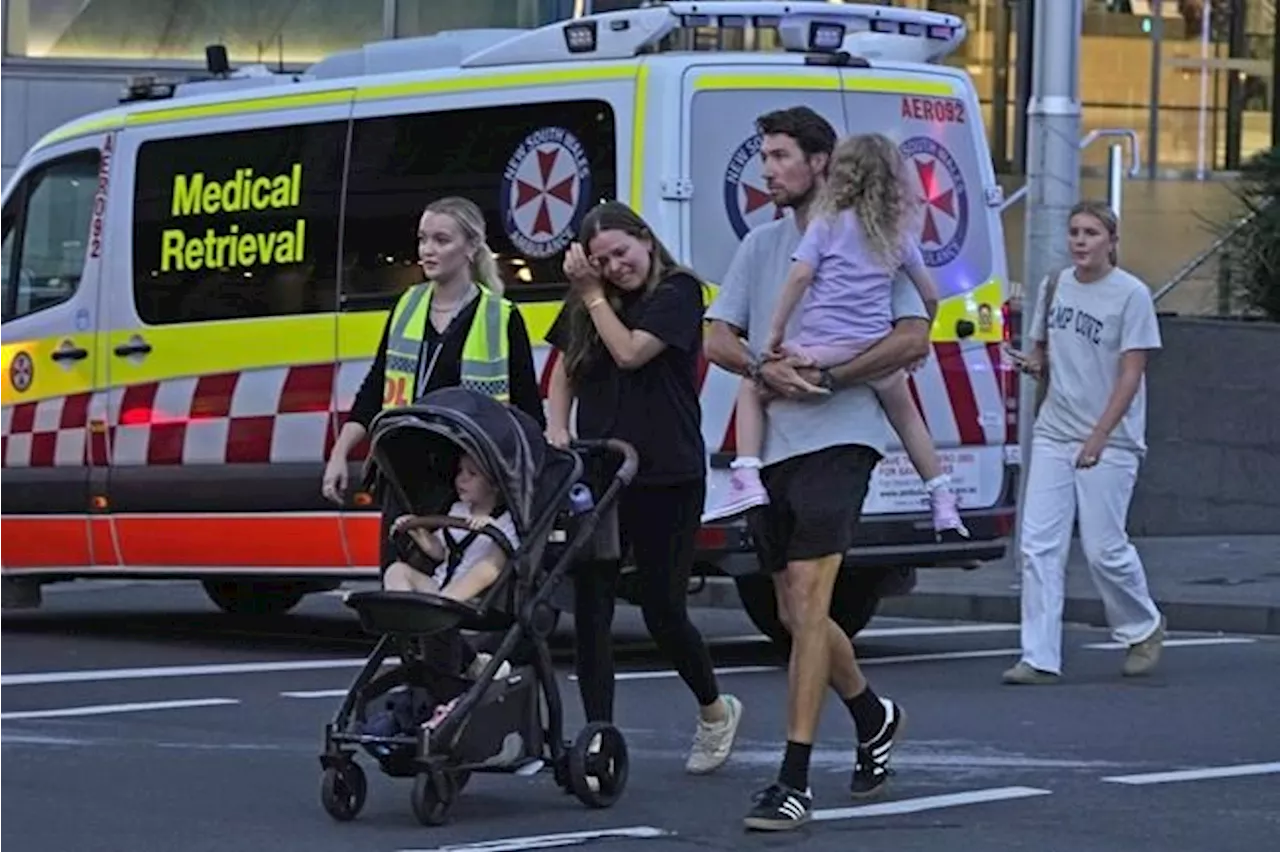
column 443, row 711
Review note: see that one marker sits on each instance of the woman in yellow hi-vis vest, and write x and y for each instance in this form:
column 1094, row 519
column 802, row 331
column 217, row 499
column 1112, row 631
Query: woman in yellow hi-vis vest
column 453, row 329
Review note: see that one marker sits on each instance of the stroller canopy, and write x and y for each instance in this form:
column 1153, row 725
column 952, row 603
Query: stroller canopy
column 506, row 442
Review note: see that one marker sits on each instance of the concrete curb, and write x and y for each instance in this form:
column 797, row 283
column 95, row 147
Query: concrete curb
column 1262, row 618
column 1181, row 615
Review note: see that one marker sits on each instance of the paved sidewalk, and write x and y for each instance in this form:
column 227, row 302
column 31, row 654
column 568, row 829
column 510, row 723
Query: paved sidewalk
column 1229, row 584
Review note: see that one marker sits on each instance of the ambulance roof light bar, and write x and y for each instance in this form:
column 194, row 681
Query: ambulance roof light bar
column 803, row 26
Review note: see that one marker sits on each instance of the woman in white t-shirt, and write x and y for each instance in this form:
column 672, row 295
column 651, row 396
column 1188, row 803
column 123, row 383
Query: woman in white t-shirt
column 1088, row 442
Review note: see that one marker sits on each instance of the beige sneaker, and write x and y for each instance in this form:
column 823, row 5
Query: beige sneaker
column 714, row 740
column 1022, row 674
column 1143, row 656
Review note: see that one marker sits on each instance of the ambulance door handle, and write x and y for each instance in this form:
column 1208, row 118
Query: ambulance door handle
column 965, row 328
column 72, row 353
column 136, row 346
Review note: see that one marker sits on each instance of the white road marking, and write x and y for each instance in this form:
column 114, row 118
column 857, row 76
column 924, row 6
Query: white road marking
column 892, row 632
column 872, row 661
column 929, row 803
column 549, row 841
column 315, row 693
column 1197, row 774
column 103, row 709
column 1177, row 643
column 95, row 675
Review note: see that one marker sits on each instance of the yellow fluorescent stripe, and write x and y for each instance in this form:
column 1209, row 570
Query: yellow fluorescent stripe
column 897, row 86
column 965, row 306
column 817, row 80
column 637, row 138
column 79, row 128
column 49, row 378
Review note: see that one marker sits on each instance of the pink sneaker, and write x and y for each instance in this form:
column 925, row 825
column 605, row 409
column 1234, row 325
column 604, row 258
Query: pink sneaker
column 746, row 491
column 945, row 514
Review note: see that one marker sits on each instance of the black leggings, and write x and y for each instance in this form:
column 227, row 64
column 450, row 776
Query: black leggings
column 659, row 522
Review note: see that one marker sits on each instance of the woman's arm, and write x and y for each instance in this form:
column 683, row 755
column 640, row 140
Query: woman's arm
column 1132, row 365
column 631, row 348
column 559, row 397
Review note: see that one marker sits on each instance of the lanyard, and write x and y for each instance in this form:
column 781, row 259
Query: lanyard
column 424, row 374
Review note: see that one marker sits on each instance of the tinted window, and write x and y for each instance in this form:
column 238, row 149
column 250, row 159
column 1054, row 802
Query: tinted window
column 238, row 225
column 533, row 169
column 46, row 233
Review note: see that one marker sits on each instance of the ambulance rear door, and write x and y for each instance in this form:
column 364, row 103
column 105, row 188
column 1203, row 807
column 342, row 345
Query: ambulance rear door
column 222, row 351
column 721, row 159
column 932, row 114
column 52, row 257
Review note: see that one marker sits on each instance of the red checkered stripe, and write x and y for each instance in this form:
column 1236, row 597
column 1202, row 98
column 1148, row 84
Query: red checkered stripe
column 281, row 415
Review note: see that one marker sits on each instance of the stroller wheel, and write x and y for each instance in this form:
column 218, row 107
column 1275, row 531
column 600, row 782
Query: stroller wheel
column 343, row 790
column 432, row 796
column 598, row 765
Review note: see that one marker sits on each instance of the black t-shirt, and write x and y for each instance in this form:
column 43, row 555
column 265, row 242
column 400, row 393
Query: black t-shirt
column 655, row 408
column 526, row 395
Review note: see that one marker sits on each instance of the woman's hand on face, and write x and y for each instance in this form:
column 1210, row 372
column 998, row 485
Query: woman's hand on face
column 558, row 437
column 583, row 276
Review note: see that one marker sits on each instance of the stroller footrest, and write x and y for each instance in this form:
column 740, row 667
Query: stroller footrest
column 410, row 612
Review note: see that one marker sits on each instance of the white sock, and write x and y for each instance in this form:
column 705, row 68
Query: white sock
column 745, row 461
column 937, row 482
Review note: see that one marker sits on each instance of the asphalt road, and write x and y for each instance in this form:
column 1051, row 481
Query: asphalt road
column 129, row 723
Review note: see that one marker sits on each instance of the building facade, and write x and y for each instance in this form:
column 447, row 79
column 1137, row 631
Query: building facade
column 1142, row 61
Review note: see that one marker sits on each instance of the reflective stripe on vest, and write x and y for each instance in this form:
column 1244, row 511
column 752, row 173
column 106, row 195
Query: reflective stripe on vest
column 485, row 353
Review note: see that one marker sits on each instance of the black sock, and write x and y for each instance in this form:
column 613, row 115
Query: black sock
column 795, row 766
column 868, row 714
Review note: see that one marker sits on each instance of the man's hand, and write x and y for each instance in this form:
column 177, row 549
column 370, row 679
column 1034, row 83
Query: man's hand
column 786, row 381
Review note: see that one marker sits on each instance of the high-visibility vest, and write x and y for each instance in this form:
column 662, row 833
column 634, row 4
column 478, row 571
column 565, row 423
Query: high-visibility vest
column 485, row 354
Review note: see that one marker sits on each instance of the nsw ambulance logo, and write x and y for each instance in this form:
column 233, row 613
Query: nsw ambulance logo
column 544, row 188
column 746, row 200
column 943, row 196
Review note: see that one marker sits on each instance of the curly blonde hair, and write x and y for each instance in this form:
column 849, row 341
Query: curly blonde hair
column 868, row 175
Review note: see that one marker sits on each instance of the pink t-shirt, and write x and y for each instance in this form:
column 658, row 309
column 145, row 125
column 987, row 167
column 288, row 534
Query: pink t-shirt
column 849, row 302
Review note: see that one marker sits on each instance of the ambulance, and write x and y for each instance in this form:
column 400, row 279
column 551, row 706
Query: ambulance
column 196, row 280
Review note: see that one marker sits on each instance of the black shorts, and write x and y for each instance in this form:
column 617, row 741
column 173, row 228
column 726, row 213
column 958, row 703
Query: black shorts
column 815, row 501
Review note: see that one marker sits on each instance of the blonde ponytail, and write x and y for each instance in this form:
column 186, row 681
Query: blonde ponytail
column 484, row 264
column 484, row 268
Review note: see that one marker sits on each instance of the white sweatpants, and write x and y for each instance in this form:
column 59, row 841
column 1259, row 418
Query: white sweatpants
column 1058, row 492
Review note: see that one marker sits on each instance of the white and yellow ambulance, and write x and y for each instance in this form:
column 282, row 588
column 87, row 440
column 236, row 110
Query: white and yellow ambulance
column 195, row 281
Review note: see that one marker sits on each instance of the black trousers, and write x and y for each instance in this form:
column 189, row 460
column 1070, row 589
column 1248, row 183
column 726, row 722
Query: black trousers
column 659, row 524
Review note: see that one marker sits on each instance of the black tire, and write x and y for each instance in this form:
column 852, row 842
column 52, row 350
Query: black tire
column 343, row 790
column 608, row 767
column 853, row 604
column 254, row 598
column 431, row 798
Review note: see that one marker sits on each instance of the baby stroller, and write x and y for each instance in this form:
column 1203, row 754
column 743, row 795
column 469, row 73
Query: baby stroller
column 495, row 725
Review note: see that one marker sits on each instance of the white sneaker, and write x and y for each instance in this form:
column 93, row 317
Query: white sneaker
column 482, row 659
column 714, row 740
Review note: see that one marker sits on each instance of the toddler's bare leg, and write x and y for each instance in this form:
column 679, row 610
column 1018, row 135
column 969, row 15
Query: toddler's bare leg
column 401, row 577
column 895, row 397
column 749, row 420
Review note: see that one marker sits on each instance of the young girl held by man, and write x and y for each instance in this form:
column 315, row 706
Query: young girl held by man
column 841, row 280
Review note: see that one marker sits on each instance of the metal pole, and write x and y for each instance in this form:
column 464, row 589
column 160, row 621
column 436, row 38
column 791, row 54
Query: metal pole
column 1153, row 117
column 1024, row 25
column 1275, row 77
column 1053, row 176
column 1202, row 115
column 1115, row 179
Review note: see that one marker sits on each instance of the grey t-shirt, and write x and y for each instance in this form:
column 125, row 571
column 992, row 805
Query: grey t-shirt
column 1090, row 326
column 747, row 297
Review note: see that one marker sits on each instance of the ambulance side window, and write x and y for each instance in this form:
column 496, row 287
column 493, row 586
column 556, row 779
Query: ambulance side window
column 238, row 225
column 46, row 233
column 533, row 169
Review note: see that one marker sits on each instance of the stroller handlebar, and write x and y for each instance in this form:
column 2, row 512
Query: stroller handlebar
column 630, row 458
column 435, row 522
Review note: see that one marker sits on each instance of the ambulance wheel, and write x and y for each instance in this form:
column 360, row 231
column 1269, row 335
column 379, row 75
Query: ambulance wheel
column 598, row 765
column 432, row 796
column 254, row 598
column 343, row 790
column 853, row 603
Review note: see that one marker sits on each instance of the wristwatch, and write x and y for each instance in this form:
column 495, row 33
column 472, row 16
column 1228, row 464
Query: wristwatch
column 753, row 370
column 825, row 380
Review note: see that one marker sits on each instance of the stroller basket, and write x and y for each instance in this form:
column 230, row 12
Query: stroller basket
column 508, row 716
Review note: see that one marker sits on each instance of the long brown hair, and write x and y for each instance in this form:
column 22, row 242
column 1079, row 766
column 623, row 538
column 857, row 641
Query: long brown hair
column 584, row 340
column 868, row 175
